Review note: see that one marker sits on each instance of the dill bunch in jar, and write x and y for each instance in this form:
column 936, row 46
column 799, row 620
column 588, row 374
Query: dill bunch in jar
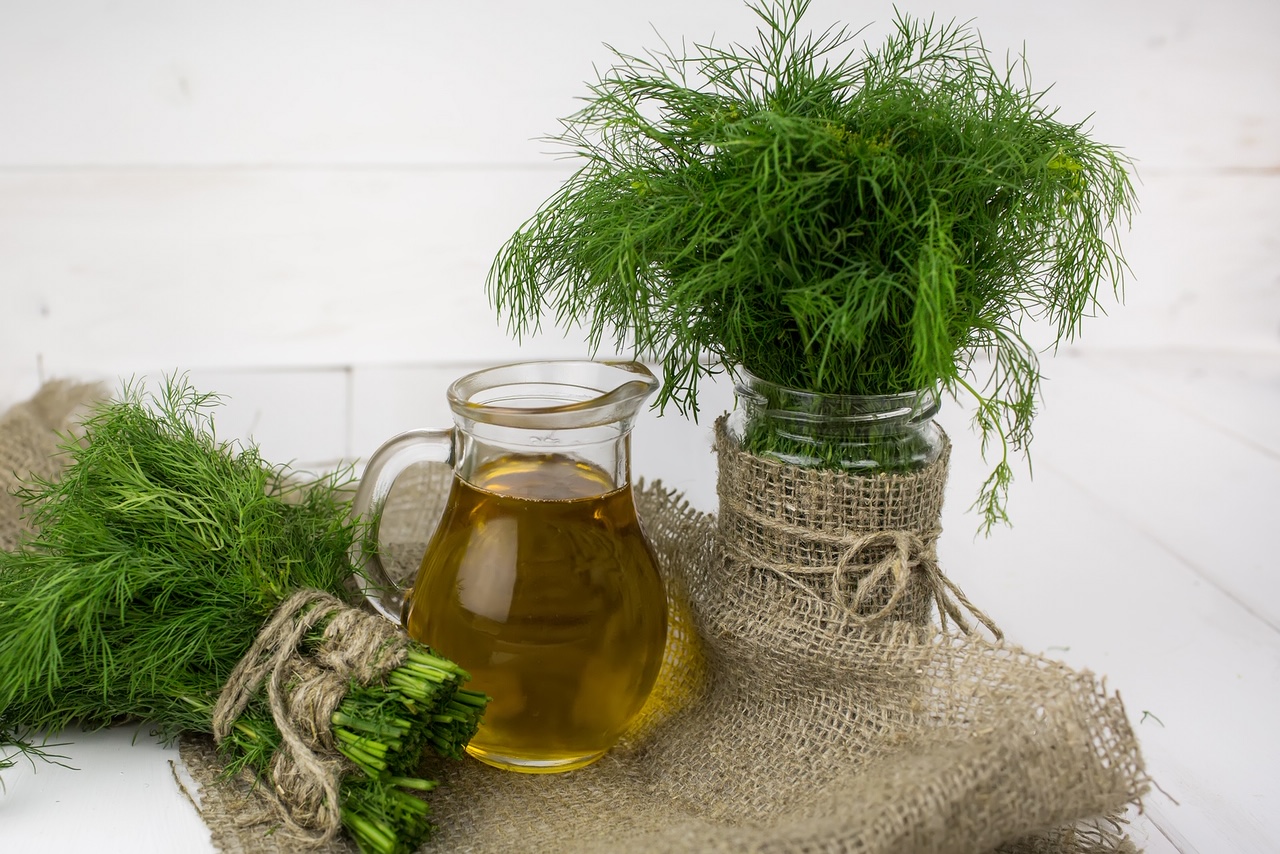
column 834, row 219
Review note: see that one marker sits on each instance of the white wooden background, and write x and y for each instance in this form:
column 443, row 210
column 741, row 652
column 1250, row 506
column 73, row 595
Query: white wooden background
column 297, row 202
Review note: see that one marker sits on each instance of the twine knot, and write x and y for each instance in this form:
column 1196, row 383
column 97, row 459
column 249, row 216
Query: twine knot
column 903, row 554
column 305, row 684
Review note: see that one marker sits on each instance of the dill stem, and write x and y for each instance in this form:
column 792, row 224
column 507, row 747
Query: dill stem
column 435, row 677
column 416, row 783
column 362, row 758
column 475, row 699
column 381, row 728
column 371, row 834
column 413, row 688
column 411, row 805
column 367, row 745
column 425, row 658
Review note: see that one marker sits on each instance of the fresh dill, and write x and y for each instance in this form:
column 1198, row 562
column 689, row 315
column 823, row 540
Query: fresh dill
column 833, row 221
column 158, row 555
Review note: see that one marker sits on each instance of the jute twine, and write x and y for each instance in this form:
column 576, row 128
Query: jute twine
column 801, row 726
column 304, row 685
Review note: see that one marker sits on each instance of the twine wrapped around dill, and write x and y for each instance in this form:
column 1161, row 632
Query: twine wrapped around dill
column 304, row 686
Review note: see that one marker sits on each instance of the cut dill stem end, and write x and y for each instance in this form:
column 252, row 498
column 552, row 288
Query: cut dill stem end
column 386, row 815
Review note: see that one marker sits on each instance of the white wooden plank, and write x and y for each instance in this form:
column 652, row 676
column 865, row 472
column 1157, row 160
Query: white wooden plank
column 245, row 268
column 121, row 271
column 297, row 418
column 679, row 450
column 118, row 795
column 148, row 81
column 1108, row 577
column 1235, row 395
column 1077, row 584
column 1203, row 493
column 1205, row 267
column 1147, row 837
column 391, row 399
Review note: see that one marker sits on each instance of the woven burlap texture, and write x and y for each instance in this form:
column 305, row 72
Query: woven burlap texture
column 789, row 723
column 30, row 433
column 862, row 549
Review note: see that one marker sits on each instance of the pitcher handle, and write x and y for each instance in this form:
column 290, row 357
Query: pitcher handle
column 387, row 463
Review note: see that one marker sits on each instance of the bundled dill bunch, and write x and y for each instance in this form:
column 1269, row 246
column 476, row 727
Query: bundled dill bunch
column 832, row 221
column 182, row 581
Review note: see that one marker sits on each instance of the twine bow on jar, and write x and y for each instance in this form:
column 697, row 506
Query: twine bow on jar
column 907, row 555
column 864, row 544
column 872, row 576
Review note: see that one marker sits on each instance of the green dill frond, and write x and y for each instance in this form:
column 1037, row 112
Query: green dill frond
column 160, row 550
column 835, row 220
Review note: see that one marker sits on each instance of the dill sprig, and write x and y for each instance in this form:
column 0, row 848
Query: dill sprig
column 832, row 220
column 159, row 554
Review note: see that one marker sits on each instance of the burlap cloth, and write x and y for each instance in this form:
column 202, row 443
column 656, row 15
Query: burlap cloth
column 787, row 721
column 30, row 434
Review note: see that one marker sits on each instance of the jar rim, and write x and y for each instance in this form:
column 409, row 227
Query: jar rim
column 800, row 403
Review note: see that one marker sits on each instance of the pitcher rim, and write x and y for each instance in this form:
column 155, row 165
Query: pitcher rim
column 596, row 402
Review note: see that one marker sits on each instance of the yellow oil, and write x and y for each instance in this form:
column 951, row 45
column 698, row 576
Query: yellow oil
column 540, row 583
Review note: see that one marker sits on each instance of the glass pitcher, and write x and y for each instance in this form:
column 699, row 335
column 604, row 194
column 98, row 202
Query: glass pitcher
column 538, row 578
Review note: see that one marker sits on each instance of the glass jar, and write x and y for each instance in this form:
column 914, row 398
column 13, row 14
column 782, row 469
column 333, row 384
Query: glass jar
column 856, row 433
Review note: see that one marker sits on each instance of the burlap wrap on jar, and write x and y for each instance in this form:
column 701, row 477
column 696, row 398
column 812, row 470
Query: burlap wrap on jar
column 827, row 543
column 788, row 722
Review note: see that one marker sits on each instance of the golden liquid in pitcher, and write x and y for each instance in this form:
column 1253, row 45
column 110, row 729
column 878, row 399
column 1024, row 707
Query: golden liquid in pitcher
column 552, row 600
